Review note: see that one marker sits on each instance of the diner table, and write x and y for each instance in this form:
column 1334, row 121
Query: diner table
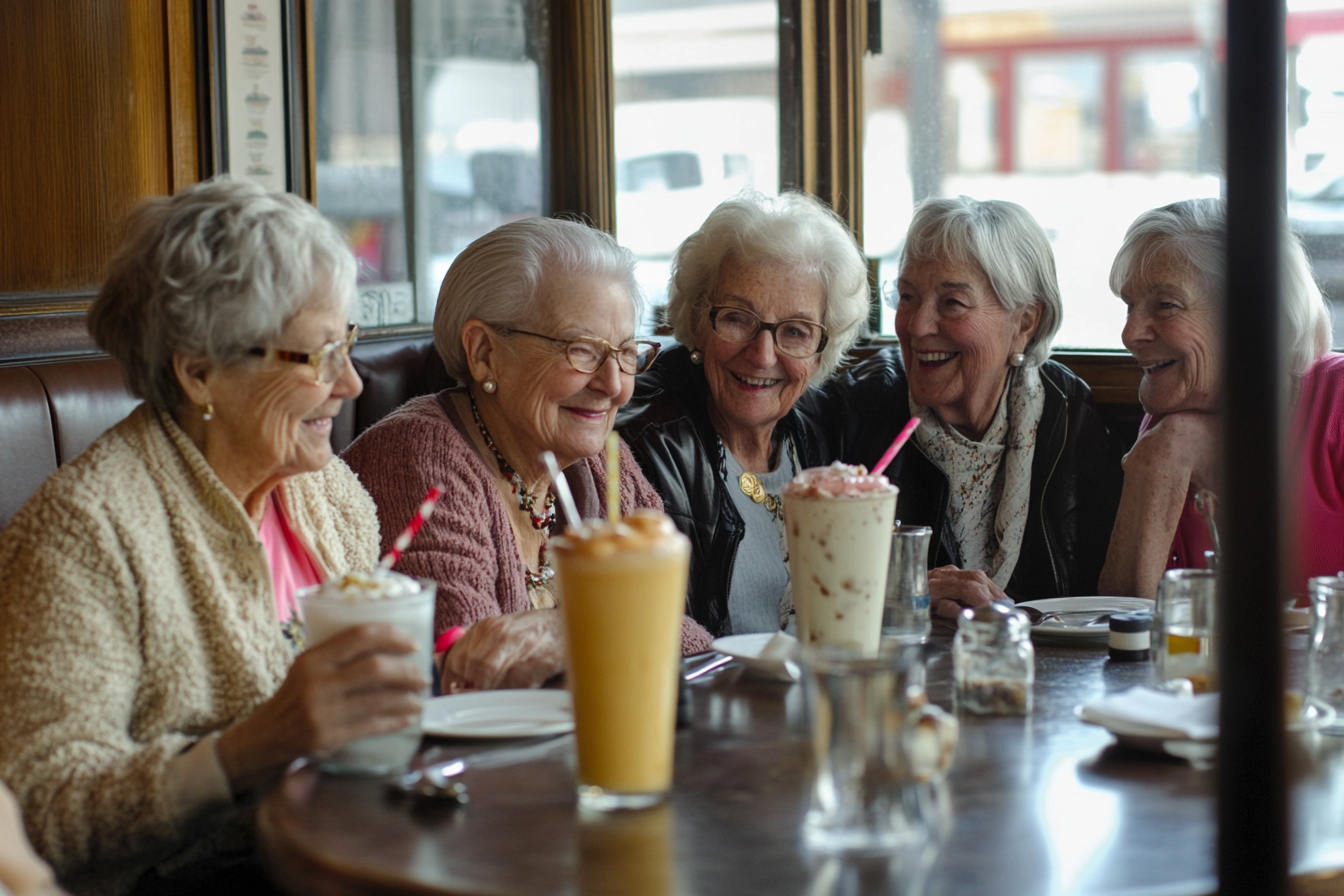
column 1043, row 804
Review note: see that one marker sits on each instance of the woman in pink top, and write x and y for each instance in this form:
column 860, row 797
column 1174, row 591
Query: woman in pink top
column 1169, row 275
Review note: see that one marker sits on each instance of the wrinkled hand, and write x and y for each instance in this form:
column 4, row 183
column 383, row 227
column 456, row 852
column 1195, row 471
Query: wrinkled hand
column 22, row 872
column 1183, row 442
column 520, row 650
column 356, row 684
column 951, row 589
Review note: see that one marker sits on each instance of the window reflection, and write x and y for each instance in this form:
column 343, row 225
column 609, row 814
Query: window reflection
column 1086, row 113
column 697, row 120
column 456, row 82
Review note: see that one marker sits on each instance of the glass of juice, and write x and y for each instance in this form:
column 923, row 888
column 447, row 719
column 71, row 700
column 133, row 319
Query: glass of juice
column 838, row 522
column 1183, row 628
column 622, row 596
column 380, row 596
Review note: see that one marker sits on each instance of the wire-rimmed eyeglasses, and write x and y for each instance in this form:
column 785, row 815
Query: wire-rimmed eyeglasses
column 587, row 354
column 328, row 362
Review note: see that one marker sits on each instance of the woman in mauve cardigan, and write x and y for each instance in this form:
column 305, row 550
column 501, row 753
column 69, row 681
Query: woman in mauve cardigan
column 536, row 319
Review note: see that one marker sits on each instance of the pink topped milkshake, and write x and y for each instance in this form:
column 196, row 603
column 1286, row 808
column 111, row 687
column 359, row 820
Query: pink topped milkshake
column 838, row 520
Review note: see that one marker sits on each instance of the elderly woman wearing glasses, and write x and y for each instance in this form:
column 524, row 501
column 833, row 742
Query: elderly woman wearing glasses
column 151, row 680
column 766, row 297
column 536, row 320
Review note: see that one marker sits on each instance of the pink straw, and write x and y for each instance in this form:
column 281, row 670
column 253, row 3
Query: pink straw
column 896, row 445
column 404, row 539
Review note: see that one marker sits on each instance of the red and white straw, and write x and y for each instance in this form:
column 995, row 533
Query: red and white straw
column 896, row 445
column 404, row 539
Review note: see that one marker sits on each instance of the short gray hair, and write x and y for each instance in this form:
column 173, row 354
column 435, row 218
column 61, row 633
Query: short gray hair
column 499, row 277
column 210, row 272
column 1006, row 243
column 794, row 229
column 1196, row 230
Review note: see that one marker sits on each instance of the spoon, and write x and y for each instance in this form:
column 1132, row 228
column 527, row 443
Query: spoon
column 436, row 780
column 1089, row 617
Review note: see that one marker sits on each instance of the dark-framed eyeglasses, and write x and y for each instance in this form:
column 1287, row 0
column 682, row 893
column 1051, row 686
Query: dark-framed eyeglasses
column 795, row 337
column 587, row 354
column 328, row 362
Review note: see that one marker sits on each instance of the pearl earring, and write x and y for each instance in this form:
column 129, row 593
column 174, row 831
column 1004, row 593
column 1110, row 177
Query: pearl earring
column 489, row 387
column 697, row 356
column 209, row 411
column 1017, row 360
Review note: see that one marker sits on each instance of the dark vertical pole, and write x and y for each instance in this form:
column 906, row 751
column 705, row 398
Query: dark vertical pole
column 1252, row 802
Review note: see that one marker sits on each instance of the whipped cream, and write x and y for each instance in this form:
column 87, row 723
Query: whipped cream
column 837, row 481
column 645, row 530
column 357, row 587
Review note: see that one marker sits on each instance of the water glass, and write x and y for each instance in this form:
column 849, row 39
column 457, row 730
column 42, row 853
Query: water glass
column 871, row 734
column 1183, row 628
column 905, row 614
column 1325, row 645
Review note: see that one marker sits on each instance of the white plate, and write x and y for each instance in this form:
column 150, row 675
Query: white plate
column 746, row 649
column 1317, row 715
column 514, row 713
column 1067, row 632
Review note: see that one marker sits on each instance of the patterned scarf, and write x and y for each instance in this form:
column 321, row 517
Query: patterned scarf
column 990, row 480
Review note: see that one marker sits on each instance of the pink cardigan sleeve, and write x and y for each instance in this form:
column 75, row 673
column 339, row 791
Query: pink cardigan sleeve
column 467, row 546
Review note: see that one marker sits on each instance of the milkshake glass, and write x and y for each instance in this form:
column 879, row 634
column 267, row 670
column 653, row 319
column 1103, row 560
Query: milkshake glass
column 622, row 595
column 357, row 598
column 838, row 521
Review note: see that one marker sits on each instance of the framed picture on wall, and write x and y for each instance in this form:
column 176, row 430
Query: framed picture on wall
column 255, row 91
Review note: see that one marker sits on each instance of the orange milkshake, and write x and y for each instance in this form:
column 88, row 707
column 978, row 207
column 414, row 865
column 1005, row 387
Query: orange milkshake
column 622, row 594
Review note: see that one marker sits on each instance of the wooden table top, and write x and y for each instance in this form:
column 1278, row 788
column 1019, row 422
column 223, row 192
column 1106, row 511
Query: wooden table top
column 1041, row 805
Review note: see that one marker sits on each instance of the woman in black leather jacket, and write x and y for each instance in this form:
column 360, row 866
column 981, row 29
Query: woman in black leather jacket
column 766, row 297
column 1011, row 464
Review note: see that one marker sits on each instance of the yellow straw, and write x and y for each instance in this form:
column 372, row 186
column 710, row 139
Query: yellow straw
column 613, row 477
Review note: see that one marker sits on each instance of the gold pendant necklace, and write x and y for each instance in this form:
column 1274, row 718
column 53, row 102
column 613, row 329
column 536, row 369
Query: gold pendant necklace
column 753, row 489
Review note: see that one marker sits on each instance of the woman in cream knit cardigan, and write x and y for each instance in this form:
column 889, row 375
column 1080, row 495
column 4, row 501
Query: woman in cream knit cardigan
column 150, row 679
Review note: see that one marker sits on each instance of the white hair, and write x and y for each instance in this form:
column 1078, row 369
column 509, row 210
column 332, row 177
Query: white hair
column 1195, row 230
column 499, row 277
column 1004, row 241
column 210, row 272
column 794, row 229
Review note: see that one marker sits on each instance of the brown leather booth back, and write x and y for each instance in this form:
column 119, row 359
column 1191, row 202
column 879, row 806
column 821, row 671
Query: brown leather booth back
column 49, row 413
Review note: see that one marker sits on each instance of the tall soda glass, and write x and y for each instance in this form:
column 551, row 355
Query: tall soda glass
column 838, row 522
column 622, row 594
column 382, row 596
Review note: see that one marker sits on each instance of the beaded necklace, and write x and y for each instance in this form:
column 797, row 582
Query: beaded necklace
column 527, row 501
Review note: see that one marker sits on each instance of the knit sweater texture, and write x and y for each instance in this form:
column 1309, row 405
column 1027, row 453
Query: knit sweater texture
column 137, row 616
column 468, row 545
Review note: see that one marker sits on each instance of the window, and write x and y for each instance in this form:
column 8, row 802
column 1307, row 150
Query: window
column 428, row 135
column 1085, row 113
column 697, row 119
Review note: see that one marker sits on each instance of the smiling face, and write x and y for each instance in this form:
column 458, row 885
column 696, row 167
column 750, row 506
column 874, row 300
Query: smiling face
column 752, row 386
column 1171, row 330
column 272, row 417
column 956, row 338
column 547, row 405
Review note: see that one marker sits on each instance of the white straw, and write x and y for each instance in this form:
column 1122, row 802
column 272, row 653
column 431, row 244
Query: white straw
column 561, row 488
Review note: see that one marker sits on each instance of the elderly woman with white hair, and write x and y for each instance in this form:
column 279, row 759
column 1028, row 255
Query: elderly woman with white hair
column 1169, row 274
column 152, row 682
column 536, row 322
column 765, row 299
column 1010, row 464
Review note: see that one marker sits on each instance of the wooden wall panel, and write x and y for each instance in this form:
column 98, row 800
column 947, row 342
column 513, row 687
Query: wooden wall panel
column 94, row 122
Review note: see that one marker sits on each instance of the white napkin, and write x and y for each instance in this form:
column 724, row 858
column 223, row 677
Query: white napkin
column 779, row 647
column 1168, row 715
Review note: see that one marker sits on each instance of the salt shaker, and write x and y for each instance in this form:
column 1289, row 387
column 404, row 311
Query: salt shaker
column 993, row 662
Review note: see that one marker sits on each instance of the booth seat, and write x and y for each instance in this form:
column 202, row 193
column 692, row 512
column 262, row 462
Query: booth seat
column 50, row 412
